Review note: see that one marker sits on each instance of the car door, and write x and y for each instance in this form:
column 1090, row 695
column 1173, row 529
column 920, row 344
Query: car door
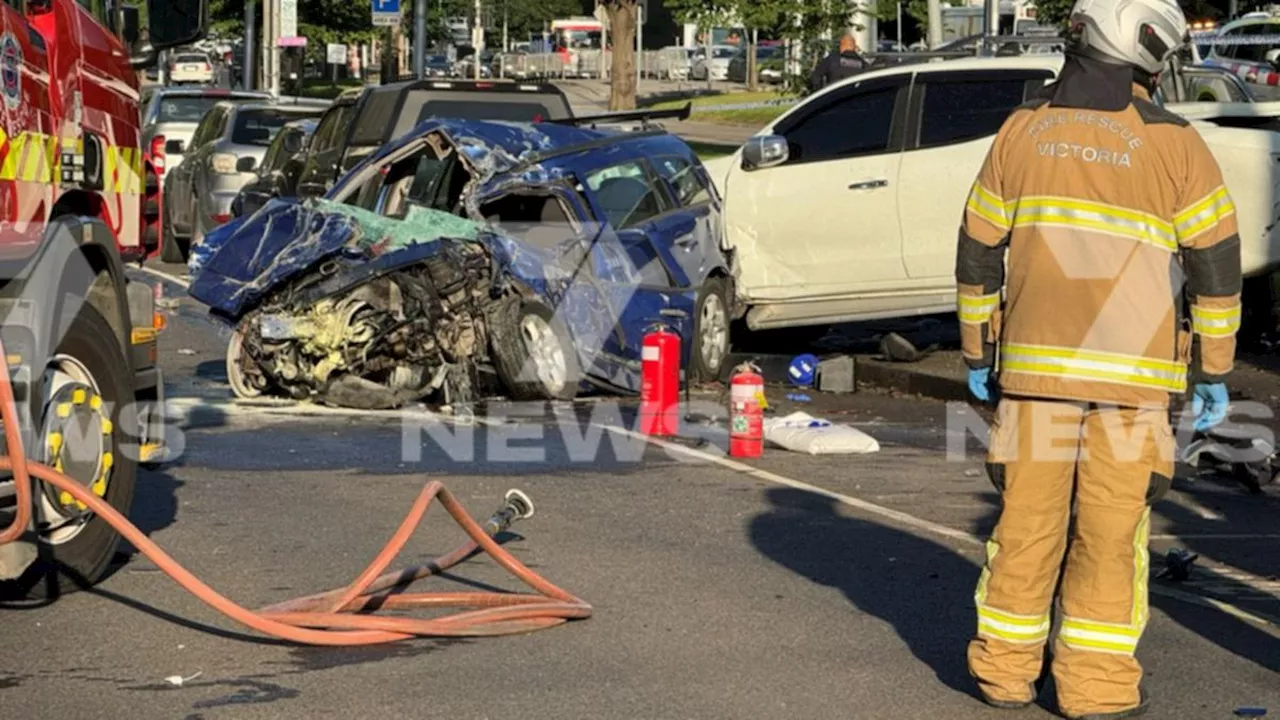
column 325, row 152
column 954, row 116
column 824, row 222
column 637, row 283
column 183, row 189
column 688, row 236
column 258, row 191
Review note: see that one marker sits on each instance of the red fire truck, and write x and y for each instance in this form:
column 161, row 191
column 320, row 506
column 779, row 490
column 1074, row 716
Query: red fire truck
column 80, row 337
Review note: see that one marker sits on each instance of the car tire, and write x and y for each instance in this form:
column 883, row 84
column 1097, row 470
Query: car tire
column 171, row 249
column 710, row 341
column 86, row 557
column 533, row 354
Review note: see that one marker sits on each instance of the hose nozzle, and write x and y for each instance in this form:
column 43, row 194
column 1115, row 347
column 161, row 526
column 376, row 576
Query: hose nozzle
column 517, row 506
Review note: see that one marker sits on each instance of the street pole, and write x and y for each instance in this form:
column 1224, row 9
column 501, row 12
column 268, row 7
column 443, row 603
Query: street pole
column 248, row 69
column 706, row 62
column 477, row 33
column 899, row 48
column 419, row 39
column 935, row 24
column 992, row 28
column 639, row 44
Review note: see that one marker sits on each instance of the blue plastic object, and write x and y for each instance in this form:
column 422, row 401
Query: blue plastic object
column 803, row 370
column 798, row 397
column 1209, row 405
column 1251, row 712
column 980, row 383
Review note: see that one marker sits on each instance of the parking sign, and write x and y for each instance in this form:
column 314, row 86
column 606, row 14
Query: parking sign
column 385, row 12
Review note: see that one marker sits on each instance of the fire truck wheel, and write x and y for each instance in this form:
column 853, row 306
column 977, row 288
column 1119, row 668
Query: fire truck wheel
column 710, row 331
column 171, row 250
column 81, row 405
column 533, row 355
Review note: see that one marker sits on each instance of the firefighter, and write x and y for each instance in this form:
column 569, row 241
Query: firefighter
column 1122, row 280
column 842, row 63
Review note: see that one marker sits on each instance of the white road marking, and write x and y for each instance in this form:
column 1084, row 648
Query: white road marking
column 186, row 284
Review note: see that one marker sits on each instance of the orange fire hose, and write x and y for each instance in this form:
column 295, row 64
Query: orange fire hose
column 331, row 618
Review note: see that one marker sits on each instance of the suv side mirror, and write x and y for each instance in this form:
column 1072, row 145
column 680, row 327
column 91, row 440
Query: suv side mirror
column 764, row 151
column 292, row 143
column 174, row 147
column 246, row 164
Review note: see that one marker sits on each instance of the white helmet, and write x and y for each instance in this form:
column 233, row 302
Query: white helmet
column 1141, row 33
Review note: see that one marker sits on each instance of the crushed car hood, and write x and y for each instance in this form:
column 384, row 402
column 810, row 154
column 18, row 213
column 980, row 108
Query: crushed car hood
column 255, row 256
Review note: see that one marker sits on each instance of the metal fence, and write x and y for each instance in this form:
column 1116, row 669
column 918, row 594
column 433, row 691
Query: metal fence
column 671, row 63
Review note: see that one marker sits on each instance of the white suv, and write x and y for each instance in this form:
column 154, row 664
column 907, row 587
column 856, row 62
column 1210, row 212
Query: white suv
column 1250, row 48
column 847, row 207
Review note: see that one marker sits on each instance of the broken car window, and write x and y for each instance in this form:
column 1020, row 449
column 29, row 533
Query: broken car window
column 626, row 194
column 684, row 179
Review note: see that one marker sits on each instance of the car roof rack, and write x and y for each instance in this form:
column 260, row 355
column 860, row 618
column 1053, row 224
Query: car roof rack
column 642, row 116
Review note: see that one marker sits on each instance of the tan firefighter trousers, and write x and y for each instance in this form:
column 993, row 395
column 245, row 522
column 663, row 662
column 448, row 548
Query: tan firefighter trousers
column 1113, row 462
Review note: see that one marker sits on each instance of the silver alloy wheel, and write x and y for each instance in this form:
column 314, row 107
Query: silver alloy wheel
column 549, row 364
column 62, row 371
column 713, row 328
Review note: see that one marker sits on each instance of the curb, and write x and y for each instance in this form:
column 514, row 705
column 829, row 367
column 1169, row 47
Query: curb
column 903, row 377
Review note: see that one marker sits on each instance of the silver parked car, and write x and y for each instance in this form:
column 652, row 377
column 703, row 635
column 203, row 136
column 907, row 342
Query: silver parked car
column 170, row 116
column 225, row 151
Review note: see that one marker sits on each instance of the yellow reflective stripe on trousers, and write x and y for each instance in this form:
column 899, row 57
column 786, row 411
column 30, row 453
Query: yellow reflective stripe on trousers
column 977, row 309
column 1099, row 637
column 988, row 206
column 1013, row 628
column 1109, row 219
column 1204, row 214
column 1215, row 322
column 1093, row 365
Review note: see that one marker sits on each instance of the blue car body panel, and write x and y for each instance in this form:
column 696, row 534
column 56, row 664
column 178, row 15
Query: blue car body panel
column 610, row 286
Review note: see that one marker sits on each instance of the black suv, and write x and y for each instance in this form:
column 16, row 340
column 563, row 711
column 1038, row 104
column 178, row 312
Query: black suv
column 362, row 120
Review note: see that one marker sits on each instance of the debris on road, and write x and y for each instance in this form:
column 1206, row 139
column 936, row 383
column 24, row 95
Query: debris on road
column 836, row 375
column 899, row 349
column 804, row 433
column 178, row 680
column 1177, row 565
column 803, row 370
column 186, row 351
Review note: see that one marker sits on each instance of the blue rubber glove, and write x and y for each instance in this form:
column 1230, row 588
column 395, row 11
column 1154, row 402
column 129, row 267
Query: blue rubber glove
column 980, row 383
column 1209, row 405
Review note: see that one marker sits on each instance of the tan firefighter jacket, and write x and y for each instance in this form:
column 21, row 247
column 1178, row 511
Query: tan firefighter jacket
column 1108, row 220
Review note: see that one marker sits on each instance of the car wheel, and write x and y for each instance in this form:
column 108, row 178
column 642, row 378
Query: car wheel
column 533, row 355
column 171, row 248
column 710, row 331
column 243, row 375
column 85, row 390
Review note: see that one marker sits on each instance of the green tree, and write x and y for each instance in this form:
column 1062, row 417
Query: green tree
column 1053, row 12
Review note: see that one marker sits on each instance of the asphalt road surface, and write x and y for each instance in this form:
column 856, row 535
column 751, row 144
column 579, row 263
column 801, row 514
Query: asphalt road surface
column 790, row 591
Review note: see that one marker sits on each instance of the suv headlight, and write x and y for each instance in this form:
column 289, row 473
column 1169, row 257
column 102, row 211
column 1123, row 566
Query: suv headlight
column 223, row 163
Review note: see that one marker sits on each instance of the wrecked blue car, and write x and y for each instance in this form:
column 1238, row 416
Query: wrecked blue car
column 470, row 258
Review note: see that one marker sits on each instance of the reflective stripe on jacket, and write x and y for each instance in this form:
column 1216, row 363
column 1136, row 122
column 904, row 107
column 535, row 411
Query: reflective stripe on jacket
column 1107, row 221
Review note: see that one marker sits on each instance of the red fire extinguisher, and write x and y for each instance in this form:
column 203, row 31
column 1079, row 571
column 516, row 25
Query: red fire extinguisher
column 660, row 382
column 746, row 412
